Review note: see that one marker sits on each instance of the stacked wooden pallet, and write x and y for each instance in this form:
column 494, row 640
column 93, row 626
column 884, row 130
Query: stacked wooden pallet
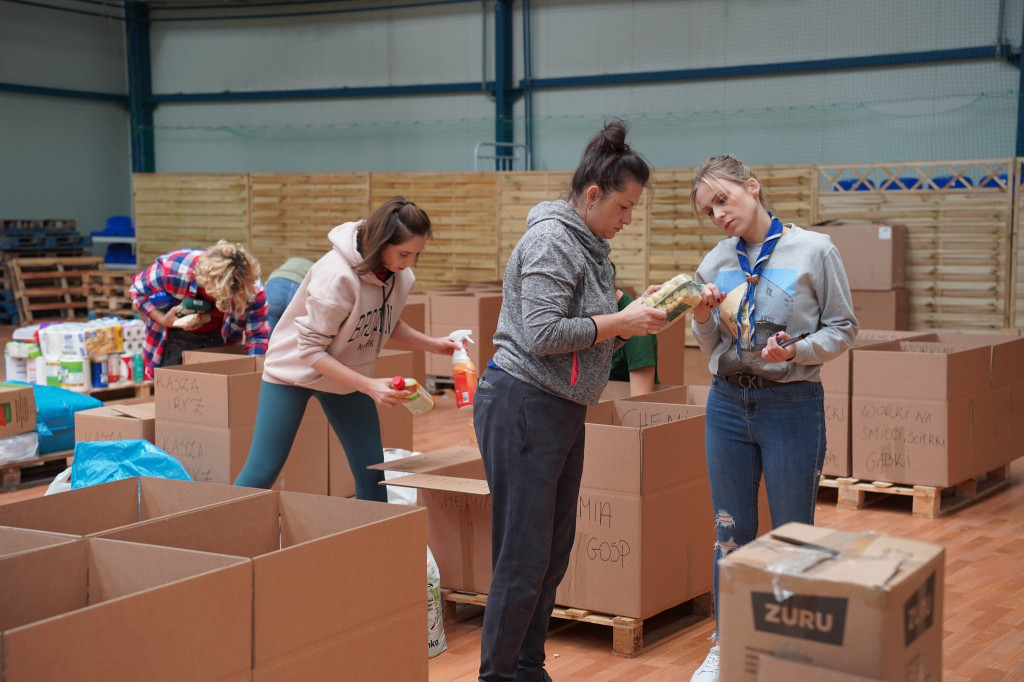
column 52, row 288
column 108, row 293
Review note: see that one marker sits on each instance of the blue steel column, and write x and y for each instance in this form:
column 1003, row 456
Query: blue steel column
column 140, row 86
column 504, row 95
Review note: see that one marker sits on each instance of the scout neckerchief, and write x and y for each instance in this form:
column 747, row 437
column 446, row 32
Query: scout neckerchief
column 774, row 232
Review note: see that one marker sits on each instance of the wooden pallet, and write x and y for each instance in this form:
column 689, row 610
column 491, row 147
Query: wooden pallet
column 38, row 471
column 630, row 636
column 52, row 287
column 929, row 501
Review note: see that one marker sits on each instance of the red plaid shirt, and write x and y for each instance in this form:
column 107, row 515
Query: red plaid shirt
column 174, row 272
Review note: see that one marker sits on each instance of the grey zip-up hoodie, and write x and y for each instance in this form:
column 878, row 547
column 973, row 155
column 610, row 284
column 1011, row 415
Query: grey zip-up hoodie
column 556, row 280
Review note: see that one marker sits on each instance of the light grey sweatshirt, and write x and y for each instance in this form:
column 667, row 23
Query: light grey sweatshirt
column 803, row 288
column 556, row 280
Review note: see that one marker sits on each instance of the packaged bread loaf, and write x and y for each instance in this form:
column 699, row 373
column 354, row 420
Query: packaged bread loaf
column 675, row 297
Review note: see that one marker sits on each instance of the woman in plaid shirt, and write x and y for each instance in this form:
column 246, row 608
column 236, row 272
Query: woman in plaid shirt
column 226, row 276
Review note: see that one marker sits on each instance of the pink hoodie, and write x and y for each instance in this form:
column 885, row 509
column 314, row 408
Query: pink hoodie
column 336, row 312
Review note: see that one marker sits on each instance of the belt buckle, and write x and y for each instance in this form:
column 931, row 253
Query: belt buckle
column 748, row 380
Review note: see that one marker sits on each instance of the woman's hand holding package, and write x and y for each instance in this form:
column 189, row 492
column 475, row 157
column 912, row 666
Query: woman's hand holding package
column 637, row 319
column 710, row 298
column 382, row 391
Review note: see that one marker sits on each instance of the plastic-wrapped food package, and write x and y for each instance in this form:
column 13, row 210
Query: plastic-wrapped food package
column 675, row 297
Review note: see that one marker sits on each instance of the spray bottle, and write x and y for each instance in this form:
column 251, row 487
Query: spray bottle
column 463, row 370
column 417, row 399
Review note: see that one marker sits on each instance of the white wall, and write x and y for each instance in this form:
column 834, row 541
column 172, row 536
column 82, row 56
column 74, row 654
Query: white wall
column 60, row 157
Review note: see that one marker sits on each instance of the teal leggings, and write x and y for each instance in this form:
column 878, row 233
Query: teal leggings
column 353, row 417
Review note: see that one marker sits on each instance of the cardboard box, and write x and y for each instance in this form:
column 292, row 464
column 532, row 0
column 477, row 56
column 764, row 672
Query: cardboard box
column 874, row 254
column 922, row 410
column 98, row 610
column 474, row 310
column 117, row 422
column 212, row 454
column 644, row 536
column 337, row 584
column 414, row 315
column 105, row 506
column 676, row 395
column 214, row 449
column 451, row 485
column 888, row 309
column 222, row 394
column 861, row 603
column 16, row 540
column 17, row 409
column 672, row 353
column 836, row 382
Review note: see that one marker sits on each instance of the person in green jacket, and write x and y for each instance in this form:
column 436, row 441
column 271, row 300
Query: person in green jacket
column 637, row 360
column 282, row 285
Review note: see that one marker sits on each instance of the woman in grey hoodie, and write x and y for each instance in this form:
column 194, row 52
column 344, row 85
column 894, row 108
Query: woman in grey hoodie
column 558, row 327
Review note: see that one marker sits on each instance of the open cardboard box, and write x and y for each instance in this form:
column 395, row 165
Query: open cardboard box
column 836, row 381
column 861, row 603
column 915, row 406
column 337, row 584
column 106, row 506
column 97, row 610
column 644, row 532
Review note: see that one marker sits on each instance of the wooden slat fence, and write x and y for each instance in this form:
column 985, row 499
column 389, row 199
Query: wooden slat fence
column 965, row 269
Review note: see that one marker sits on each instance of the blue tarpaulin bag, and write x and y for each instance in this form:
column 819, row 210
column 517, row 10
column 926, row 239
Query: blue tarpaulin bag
column 103, row 461
column 55, row 416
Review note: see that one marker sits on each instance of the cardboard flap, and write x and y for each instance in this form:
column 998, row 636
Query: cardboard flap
column 430, row 460
column 137, row 411
column 454, row 484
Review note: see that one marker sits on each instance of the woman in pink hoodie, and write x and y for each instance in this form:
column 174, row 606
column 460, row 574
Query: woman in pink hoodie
column 328, row 339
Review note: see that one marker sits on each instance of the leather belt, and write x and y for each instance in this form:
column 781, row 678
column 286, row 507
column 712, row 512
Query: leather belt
column 750, row 381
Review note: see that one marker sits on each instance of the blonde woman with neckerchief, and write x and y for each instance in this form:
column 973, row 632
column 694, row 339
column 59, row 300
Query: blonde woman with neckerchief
column 765, row 412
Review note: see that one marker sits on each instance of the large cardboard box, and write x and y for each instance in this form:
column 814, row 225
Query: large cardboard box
column 874, row 254
column 117, row 422
column 222, row 393
column 206, row 412
column 337, row 584
column 475, row 310
column 17, row 409
column 861, row 603
column 212, row 454
column 97, row 610
column 889, row 309
column 912, row 411
column 619, row 390
column 836, row 382
column 452, row 486
column 105, row 506
column 644, row 535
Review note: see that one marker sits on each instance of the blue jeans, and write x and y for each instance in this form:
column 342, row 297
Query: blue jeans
column 777, row 431
column 280, row 292
column 353, row 416
column 532, row 446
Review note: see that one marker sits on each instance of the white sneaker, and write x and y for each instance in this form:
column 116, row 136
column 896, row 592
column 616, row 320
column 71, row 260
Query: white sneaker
column 708, row 670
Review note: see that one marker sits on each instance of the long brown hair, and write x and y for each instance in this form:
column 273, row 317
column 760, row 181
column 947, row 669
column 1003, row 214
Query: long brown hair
column 395, row 222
